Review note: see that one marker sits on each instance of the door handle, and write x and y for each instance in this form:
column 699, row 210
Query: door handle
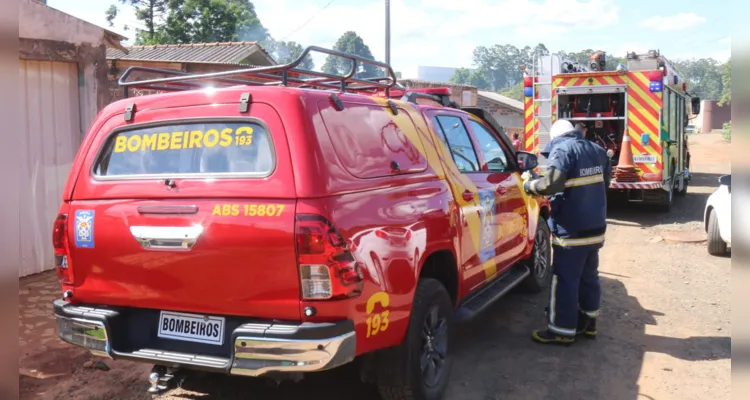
column 468, row 195
column 167, row 237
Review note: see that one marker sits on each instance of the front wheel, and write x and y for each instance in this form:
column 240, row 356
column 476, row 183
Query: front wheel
column 539, row 264
column 427, row 346
column 716, row 245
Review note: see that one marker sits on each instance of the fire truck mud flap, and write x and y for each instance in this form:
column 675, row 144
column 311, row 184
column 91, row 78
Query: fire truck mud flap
column 253, row 349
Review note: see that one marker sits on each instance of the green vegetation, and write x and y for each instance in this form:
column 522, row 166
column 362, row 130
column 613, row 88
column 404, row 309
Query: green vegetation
column 727, row 131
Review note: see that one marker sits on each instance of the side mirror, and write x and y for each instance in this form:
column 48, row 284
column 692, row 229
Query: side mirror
column 725, row 180
column 526, row 161
column 695, row 105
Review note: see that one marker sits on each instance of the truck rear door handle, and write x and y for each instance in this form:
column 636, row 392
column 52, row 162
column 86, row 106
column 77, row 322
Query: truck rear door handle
column 468, row 195
column 167, row 237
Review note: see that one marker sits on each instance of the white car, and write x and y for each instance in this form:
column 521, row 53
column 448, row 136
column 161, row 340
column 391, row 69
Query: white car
column 717, row 217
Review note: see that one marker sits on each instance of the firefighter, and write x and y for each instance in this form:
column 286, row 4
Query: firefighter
column 576, row 179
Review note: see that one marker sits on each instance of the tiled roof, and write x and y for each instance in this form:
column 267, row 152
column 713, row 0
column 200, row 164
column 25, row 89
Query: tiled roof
column 232, row 53
column 498, row 98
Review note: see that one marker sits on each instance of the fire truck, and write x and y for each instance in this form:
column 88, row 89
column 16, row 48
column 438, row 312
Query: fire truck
column 638, row 112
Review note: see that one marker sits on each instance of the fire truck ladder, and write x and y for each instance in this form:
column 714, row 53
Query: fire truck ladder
column 543, row 72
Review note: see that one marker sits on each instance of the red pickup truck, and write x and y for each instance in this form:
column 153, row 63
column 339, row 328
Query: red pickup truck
column 266, row 223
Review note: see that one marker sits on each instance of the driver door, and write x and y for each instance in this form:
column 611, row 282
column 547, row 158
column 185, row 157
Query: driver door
column 479, row 219
column 500, row 173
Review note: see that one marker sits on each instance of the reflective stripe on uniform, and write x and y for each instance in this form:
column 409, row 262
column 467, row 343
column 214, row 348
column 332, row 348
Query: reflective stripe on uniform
column 551, row 325
column 591, row 314
column 577, row 242
column 552, row 295
column 533, row 186
column 584, row 180
column 561, row 331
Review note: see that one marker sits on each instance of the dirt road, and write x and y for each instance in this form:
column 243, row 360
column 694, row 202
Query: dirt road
column 664, row 329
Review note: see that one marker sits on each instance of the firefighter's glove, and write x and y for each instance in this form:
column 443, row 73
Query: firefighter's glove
column 527, row 181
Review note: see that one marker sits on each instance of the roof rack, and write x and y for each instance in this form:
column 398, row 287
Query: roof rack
column 275, row 75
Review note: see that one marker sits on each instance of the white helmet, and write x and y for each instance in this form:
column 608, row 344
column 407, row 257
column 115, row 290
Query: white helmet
column 559, row 128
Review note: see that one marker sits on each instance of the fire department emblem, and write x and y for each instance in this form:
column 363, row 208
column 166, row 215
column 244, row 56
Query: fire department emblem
column 84, row 228
column 487, row 234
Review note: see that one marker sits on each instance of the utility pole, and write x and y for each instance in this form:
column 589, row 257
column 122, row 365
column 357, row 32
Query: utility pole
column 388, row 32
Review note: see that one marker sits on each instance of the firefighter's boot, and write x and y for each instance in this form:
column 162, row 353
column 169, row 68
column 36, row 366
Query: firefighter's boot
column 586, row 326
column 546, row 336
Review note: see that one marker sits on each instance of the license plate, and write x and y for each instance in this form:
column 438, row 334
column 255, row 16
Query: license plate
column 191, row 328
column 644, row 159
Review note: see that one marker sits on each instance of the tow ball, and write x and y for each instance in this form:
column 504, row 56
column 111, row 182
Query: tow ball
column 162, row 379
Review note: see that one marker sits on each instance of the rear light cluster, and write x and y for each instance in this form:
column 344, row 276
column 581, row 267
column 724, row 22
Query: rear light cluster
column 60, row 243
column 327, row 268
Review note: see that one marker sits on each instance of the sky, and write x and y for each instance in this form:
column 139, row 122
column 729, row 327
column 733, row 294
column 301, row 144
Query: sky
column 445, row 32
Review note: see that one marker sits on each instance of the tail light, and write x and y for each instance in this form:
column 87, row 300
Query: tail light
column 327, row 268
column 60, row 243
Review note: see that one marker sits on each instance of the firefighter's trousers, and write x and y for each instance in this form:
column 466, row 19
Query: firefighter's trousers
column 575, row 286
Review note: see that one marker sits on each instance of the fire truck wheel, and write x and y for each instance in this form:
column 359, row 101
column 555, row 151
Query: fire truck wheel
column 716, row 246
column 666, row 204
column 540, row 263
column 426, row 347
column 683, row 191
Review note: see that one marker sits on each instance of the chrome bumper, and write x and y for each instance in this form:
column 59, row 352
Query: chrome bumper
column 258, row 348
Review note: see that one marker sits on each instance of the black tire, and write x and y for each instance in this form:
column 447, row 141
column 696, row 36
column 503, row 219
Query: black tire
column 666, row 205
column 430, row 297
column 716, row 246
column 684, row 187
column 540, row 263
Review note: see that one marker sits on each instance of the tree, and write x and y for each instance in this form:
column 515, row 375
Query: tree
column 286, row 52
column 465, row 76
column 351, row 43
column 704, row 77
column 204, row 21
column 516, row 92
column 146, row 11
column 726, row 80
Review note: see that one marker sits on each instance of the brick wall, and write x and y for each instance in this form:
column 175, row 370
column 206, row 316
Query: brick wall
column 508, row 118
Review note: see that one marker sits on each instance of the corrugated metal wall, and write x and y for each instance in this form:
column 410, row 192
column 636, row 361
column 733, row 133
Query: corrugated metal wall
column 51, row 131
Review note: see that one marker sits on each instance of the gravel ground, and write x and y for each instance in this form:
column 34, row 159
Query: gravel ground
column 664, row 329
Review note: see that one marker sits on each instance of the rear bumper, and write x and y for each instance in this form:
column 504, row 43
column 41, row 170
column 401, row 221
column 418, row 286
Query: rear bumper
column 255, row 348
column 635, row 185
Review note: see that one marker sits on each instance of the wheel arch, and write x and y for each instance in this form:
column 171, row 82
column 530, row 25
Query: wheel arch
column 441, row 265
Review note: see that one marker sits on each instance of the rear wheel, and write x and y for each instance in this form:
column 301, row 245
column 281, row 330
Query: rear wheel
column 541, row 259
column 716, row 245
column 426, row 346
column 684, row 189
column 665, row 205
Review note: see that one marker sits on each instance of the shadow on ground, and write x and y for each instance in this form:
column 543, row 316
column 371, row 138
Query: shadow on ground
column 685, row 209
column 495, row 358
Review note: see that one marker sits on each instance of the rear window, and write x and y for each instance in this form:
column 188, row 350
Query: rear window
column 369, row 140
column 214, row 148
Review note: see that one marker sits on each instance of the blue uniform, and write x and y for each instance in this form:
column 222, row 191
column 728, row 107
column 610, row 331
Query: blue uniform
column 578, row 175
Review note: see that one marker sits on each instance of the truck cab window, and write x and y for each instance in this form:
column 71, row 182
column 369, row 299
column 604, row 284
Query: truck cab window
column 494, row 154
column 457, row 140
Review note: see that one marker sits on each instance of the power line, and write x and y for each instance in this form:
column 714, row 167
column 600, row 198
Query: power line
column 308, row 20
